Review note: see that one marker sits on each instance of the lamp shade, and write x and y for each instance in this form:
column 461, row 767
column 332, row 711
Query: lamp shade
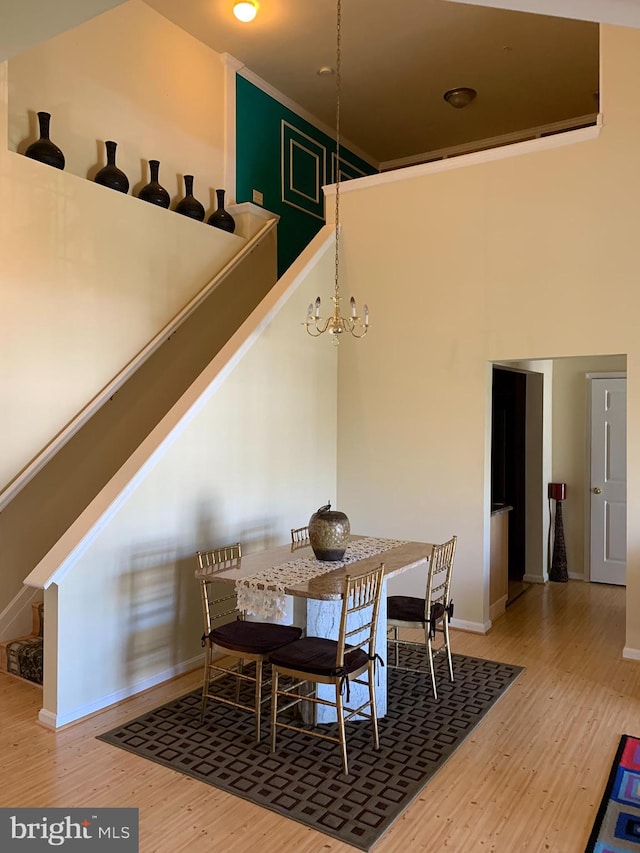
column 557, row 491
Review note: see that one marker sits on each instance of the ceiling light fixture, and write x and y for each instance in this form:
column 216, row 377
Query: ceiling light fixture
column 245, row 10
column 336, row 324
column 460, row 97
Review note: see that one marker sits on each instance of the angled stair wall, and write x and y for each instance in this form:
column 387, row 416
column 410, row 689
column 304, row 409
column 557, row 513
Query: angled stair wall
column 39, row 514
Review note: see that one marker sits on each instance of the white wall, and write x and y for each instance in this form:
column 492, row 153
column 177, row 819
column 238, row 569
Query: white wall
column 89, row 276
column 256, row 459
column 520, row 258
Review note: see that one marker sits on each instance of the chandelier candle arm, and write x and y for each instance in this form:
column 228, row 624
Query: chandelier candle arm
column 336, row 324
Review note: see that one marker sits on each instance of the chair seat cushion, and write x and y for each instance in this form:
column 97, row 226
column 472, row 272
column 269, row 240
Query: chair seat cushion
column 405, row 608
column 255, row 638
column 317, row 656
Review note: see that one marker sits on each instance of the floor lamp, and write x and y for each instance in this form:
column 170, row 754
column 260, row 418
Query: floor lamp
column 558, row 571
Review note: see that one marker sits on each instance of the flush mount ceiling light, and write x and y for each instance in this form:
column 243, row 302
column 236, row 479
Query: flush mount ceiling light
column 460, row 97
column 245, row 10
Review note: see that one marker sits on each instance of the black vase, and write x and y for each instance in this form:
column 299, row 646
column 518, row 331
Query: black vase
column 220, row 218
column 190, row 206
column 44, row 149
column 153, row 192
column 110, row 175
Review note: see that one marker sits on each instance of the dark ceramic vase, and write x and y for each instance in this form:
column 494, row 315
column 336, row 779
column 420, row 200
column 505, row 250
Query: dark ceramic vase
column 110, row 176
column 44, row 149
column 329, row 533
column 220, row 218
column 153, row 192
column 190, row 206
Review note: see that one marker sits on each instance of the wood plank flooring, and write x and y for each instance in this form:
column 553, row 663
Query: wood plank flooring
column 529, row 778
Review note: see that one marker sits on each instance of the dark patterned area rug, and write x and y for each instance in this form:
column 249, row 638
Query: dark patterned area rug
column 303, row 780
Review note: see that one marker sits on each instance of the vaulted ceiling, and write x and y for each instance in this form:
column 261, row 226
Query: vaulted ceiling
column 397, row 59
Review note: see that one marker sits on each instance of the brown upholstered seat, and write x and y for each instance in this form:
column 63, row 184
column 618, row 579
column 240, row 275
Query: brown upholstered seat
column 242, row 640
column 317, row 656
column 253, row 638
column 431, row 613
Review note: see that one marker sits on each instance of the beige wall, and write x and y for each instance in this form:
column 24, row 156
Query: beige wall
column 521, row 258
column 132, row 76
column 89, row 276
column 254, row 458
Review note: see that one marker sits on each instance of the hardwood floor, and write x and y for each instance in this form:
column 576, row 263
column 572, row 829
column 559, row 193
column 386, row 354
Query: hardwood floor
column 529, row 778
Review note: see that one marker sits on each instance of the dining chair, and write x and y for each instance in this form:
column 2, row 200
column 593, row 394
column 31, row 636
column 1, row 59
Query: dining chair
column 240, row 639
column 299, row 537
column 432, row 613
column 311, row 661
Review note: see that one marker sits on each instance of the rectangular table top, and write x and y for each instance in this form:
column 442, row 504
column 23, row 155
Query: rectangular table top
column 329, row 585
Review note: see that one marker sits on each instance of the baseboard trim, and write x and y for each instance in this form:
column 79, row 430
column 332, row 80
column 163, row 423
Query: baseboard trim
column 497, row 608
column 630, row 654
column 576, row 576
column 57, row 721
column 535, row 578
column 472, row 627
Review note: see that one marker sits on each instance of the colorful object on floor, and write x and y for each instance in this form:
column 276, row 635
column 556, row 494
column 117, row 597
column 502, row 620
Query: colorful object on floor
column 617, row 825
column 303, row 780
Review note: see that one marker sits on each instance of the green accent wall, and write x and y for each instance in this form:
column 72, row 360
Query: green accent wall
column 288, row 160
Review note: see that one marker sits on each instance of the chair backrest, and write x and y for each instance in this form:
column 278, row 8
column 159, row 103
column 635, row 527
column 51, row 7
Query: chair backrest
column 439, row 578
column 299, row 537
column 359, row 617
column 210, row 563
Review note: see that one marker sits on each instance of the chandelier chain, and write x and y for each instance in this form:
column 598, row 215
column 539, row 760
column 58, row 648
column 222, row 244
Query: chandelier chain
column 337, row 175
column 336, row 323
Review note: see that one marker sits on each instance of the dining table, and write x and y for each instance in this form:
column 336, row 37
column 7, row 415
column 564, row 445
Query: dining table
column 287, row 584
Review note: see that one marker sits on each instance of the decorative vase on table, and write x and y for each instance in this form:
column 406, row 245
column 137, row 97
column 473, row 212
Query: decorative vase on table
column 110, row 176
column 189, row 205
column 329, row 533
column 153, row 192
column 44, row 149
column 220, row 218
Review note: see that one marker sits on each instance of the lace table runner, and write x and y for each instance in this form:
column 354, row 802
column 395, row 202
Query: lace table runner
column 254, row 597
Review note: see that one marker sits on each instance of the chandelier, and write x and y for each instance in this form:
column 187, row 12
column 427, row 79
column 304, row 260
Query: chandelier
column 337, row 324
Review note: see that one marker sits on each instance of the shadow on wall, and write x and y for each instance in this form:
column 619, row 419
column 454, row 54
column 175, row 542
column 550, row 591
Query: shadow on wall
column 161, row 599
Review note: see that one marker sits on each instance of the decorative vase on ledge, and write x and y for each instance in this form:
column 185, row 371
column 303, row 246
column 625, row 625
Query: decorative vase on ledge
column 44, row 149
column 190, row 206
column 220, row 218
column 110, row 176
column 153, row 192
column 329, row 533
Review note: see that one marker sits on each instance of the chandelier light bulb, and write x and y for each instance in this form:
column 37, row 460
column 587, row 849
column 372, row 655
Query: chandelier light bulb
column 245, row 10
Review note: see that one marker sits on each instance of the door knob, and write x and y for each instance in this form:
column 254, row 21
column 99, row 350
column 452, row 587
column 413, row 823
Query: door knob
column 597, row 491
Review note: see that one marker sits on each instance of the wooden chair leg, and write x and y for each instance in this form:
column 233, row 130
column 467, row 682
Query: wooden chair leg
column 239, row 680
column 205, row 683
column 374, row 710
column 431, row 666
column 341, row 730
column 274, row 706
column 258, row 698
column 446, row 637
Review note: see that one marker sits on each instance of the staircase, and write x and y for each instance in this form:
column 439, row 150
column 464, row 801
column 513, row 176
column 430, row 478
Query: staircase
column 24, row 655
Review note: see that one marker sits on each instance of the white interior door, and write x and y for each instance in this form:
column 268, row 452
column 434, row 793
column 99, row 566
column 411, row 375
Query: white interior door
column 608, row 481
